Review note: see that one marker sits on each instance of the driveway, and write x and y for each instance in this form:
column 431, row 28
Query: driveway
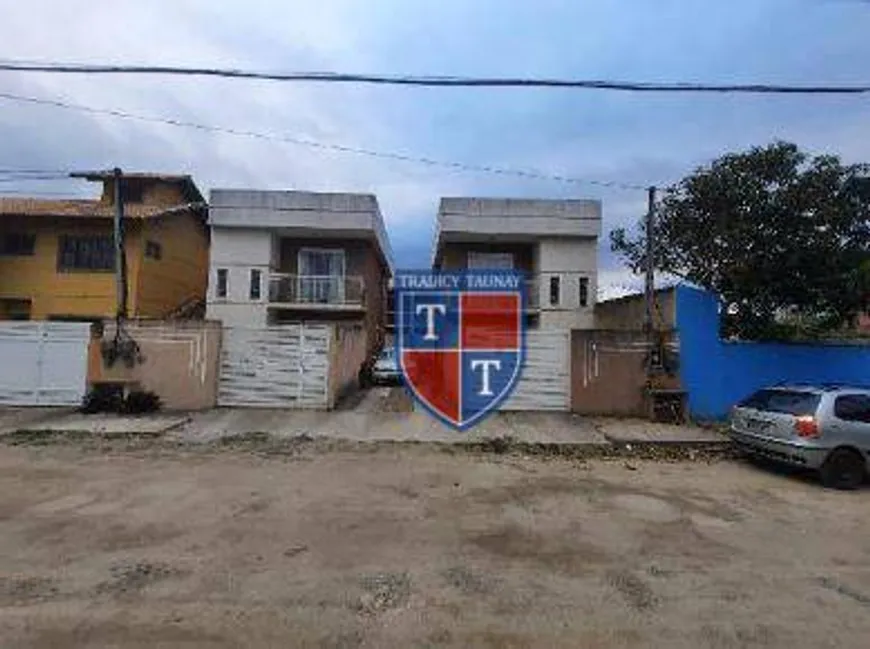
column 154, row 547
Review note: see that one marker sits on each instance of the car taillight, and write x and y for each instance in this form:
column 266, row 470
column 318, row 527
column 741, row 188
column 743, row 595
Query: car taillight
column 806, row 426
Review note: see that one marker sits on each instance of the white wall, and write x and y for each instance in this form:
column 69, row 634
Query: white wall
column 238, row 315
column 568, row 259
column 239, row 251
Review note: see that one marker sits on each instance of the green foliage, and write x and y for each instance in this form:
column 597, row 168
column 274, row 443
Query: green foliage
column 783, row 238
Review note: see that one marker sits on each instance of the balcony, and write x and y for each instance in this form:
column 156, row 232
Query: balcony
column 313, row 292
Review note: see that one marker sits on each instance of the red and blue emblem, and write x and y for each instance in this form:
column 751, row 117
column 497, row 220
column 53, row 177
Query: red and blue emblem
column 459, row 340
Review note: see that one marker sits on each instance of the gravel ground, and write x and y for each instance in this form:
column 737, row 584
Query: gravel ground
column 153, row 546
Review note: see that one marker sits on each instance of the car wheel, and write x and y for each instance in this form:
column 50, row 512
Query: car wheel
column 844, row 469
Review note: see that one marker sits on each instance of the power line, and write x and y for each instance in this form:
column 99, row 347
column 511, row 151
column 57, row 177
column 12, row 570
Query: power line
column 9, row 172
column 436, row 81
column 456, row 166
column 40, row 194
column 26, row 179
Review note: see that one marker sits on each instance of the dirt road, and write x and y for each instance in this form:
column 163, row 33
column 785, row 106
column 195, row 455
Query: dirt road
column 414, row 548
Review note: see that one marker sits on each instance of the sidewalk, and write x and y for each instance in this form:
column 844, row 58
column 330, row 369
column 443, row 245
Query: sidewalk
column 538, row 427
column 359, row 425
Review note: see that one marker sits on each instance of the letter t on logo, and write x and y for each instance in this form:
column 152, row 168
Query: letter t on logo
column 431, row 310
column 485, row 366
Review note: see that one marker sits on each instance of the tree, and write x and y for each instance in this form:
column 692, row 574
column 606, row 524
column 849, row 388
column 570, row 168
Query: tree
column 773, row 232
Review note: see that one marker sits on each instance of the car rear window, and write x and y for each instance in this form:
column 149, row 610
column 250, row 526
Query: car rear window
column 790, row 402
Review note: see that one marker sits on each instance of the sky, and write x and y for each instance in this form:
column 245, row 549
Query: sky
column 636, row 139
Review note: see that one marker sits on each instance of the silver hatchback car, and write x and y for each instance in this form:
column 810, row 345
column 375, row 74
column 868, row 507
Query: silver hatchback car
column 820, row 427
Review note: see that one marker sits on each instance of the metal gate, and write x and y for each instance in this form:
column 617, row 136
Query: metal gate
column 43, row 363
column 282, row 366
column 545, row 380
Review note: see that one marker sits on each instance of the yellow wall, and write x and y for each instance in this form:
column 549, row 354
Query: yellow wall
column 155, row 288
column 182, row 272
column 35, row 277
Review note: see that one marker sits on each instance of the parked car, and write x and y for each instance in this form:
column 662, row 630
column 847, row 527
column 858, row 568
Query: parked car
column 386, row 368
column 821, row 427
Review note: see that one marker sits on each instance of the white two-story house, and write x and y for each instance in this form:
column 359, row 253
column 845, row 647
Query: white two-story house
column 553, row 241
column 290, row 256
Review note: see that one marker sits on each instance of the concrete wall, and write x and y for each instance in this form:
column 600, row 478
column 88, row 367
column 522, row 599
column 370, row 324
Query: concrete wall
column 239, row 251
column 181, row 362
column 348, row 350
column 569, row 260
column 717, row 373
column 375, row 275
column 455, row 255
column 608, row 376
column 627, row 313
column 520, row 216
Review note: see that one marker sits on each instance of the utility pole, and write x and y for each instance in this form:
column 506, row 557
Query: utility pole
column 649, row 277
column 120, row 265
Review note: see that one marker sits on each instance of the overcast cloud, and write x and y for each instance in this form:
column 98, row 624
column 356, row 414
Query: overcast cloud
column 638, row 139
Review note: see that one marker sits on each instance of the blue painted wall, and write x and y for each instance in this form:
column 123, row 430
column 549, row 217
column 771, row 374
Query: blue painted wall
column 718, row 373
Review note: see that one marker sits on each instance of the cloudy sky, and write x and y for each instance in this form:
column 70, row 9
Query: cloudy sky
column 630, row 138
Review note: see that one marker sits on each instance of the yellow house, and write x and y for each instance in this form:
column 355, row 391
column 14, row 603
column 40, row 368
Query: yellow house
column 57, row 259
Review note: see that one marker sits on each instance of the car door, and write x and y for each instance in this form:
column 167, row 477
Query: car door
column 852, row 414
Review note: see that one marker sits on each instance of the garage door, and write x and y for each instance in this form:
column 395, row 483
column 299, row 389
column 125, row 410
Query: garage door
column 544, row 383
column 283, row 366
column 43, row 363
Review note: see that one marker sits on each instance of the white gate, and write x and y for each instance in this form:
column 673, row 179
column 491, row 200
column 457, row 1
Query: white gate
column 43, row 363
column 282, row 366
column 545, row 380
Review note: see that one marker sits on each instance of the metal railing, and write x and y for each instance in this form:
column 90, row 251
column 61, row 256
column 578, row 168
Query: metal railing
column 331, row 290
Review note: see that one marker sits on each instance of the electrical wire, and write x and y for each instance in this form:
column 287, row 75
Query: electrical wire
column 457, row 166
column 18, row 172
column 40, row 194
column 26, row 179
column 436, row 81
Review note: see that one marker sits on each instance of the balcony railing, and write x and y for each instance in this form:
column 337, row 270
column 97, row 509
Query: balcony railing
column 314, row 290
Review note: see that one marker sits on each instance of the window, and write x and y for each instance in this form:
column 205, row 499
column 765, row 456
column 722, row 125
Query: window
column 255, row 284
column 17, row 244
column 789, row 402
column 321, row 275
column 153, row 250
column 14, row 309
column 554, row 291
column 221, row 287
column 853, row 407
column 85, row 253
column 131, row 192
column 584, row 291
column 490, row 260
